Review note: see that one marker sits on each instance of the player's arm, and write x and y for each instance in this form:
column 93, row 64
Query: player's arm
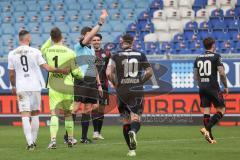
column 55, row 70
column 95, row 29
column 196, row 76
column 111, row 72
column 75, row 69
column 223, row 78
column 12, row 76
column 222, row 74
column 12, row 80
column 99, row 84
column 45, row 46
column 148, row 72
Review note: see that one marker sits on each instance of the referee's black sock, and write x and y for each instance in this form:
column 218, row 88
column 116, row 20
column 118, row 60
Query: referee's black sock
column 95, row 121
column 74, row 119
column 126, row 129
column 100, row 122
column 214, row 120
column 85, row 125
column 135, row 126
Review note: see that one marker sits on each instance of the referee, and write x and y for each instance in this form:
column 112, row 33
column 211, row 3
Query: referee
column 103, row 57
column 87, row 91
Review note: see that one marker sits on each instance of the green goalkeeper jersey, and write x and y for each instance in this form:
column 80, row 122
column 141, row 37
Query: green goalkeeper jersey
column 60, row 56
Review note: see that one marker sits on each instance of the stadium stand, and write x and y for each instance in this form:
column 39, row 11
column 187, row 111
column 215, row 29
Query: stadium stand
column 160, row 27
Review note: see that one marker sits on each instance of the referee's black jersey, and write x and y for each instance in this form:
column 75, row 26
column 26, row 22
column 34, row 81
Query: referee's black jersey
column 130, row 66
column 207, row 67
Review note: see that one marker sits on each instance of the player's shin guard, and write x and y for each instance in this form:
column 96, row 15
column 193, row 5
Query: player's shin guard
column 74, row 119
column 69, row 126
column 135, row 126
column 54, row 124
column 126, row 129
column 27, row 130
column 35, row 127
column 85, row 125
column 215, row 119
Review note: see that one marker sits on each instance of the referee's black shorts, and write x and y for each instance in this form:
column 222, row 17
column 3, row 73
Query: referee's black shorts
column 211, row 96
column 86, row 90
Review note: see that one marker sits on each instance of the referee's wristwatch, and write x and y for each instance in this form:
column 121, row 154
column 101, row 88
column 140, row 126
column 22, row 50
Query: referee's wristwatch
column 99, row 85
column 100, row 24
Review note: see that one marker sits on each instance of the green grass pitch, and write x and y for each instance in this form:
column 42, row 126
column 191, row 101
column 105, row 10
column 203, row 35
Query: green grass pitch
column 154, row 143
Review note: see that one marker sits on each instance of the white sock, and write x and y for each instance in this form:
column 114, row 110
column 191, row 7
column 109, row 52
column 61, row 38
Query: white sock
column 35, row 127
column 27, row 129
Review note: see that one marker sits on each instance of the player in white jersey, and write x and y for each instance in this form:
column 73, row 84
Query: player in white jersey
column 24, row 64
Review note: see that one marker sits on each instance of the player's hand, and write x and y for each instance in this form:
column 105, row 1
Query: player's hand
column 103, row 16
column 226, row 91
column 65, row 70
column 14, row 92
column 100, row 90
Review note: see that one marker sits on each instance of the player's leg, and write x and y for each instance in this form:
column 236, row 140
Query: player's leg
column 55, row 100
column 85, row 120
column 76, row 106
column 95, row 117
column 125, row 115
column 24, row 108
column 35, row 108
column 69, row 126
column 100, row 120
column 219, row 104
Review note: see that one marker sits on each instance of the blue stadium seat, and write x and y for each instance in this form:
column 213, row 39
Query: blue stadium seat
column 191, row 26
column 217, row 13
column 33, row 16
column 8, row 28
column 178, row 37
column 8, row 38
column 147, row 27
column 139, row 46
column 235, row 24
column 228, row 20
column 20, row 7
column 152, row 47
column 47, row 16
column 106, row 28
column 63, row 26
column 220, row 35
column 188, row 35
column 131, row 28
column 6, row 6
column 74, row 27
column 195, row 45
column 32, row 6
column 45, row 5
column 226, row 47
column 231, row 13
column 60, row 16
column 20, row 26
column 235, row 36
column 20, row 17
column 127, row 4
column 113, row 4
column 7, row 17
column 198, row 4
column 204, row 25
column 46, row 26
column 35, row 28
column 86, row 5
column 36, row 40
column 73, row 5
column 59, row 6
column 217, row 23
column 204, row 34
column 73, row 15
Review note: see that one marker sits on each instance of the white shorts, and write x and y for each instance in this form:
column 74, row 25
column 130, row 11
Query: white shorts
column 29, row 101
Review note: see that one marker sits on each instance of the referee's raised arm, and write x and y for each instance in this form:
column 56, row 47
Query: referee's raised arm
column 95, row 29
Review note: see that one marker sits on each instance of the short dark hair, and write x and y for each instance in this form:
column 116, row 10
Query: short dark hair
column 56, row 34
column 85, row 30
column 208, row 43
column 99, row 36
column 127, row 38
column 22, row 33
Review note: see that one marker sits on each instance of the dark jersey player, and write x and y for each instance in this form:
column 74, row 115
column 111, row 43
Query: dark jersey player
column 128, row 70
column 206, row 69
column 102, row 59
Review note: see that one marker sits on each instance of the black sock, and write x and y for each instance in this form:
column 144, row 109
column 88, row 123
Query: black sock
column 135, row 126
column 215, row 119
column 206, row 118
column 85, row 125
column 95, row 122
column 126, row 129
column 100, row 122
